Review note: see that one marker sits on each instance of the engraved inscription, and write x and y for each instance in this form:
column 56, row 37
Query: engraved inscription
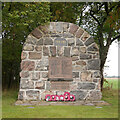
column 55, row 65
column 60, row 68
column 60, row 42
column 60, row 85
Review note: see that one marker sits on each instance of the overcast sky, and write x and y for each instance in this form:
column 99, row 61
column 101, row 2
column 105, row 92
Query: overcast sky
column 112, row 60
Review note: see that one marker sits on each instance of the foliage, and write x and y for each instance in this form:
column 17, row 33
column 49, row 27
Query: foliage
column 19, row 19
column 65, row 11
column 103, row 17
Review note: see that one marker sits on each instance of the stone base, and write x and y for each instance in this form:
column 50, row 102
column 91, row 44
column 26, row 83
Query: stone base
column 76, row 103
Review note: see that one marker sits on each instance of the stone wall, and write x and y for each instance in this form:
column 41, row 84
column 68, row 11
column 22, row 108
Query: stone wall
column 60, row 39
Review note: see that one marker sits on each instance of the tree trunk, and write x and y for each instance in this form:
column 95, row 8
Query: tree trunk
column 102, row 76
column 103, row 57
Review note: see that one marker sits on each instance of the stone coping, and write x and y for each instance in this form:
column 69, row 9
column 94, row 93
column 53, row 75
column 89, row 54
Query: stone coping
column 76, row 103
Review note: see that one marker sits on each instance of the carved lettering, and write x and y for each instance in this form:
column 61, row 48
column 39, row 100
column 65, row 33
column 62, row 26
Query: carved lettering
column 60, row 68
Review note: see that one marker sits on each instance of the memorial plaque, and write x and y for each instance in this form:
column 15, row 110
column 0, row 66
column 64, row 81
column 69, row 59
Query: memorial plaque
column 60, row 42
column 60, row 68
column 61, row 85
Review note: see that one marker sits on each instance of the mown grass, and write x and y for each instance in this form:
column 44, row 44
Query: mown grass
column 9, row 110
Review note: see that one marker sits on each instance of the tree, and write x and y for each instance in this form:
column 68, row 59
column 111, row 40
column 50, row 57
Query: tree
column 104, row 19
column 65, row 11
column 100, row 19
column 19, row 19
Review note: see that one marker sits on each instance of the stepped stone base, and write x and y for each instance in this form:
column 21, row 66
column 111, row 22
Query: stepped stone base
column 76, row 103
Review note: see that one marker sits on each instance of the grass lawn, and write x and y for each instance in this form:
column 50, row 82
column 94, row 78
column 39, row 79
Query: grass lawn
column 109, row 95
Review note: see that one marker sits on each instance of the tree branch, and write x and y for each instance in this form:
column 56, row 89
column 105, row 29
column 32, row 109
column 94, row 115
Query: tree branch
column 115, row 38
column 106, row 7
column 94, row 17
column 107, row 11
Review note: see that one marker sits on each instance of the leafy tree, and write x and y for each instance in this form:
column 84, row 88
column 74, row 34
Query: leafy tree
column 100, row 19
column 65, row 11
column 103, row 22
column 18, row 20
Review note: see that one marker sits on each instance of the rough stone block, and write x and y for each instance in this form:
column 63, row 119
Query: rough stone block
column 65, row 27
column 79, row 33
column 79, row 95
column 73, row 28
column 83, row 49
column 53, row 51
column 94, row 95
column 31, row 40
column 40, row 41
column 38, row 48
column 85, row 56
column 75, row 74
column 42, row 65
column 79, row 42
column 23, row 55
column 25, row 84
column 24, row 74
column 78, row 68
column 68, row 35
column 75, row 58
column 40, row 85
column 93, row 47
column 44, row 74
column 81, row 63
column 21, row 95
column 75, row 51
column 35, row 55
column 94, row 64
column 89, row 41
column 52, row 27
column 54, row 35
column 85, row 36
column 45, row 51
column 48, row 41
column 59, row 27
column 67, row 51
column 96, row 74
column 28, row 47
column 86, row 76
column 86, row 86
column 33, row 95
column 35, row 75
column 60, row 50
column 36, row 33
column 44, row 29
column 27, row 65
column 71, row 42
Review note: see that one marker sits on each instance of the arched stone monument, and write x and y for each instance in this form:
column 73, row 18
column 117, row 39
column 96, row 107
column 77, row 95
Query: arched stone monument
column 57, row 58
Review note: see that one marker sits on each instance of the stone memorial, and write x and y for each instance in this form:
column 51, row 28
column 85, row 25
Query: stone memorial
column 57, row 58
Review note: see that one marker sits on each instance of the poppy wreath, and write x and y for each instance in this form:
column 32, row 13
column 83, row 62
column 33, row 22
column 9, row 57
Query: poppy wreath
column 66, row 97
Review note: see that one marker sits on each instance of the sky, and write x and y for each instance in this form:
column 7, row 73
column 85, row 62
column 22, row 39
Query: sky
column 112, row 60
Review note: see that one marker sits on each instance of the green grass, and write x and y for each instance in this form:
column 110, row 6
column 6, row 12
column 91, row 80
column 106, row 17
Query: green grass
column 112, row 83
column 11, row 111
